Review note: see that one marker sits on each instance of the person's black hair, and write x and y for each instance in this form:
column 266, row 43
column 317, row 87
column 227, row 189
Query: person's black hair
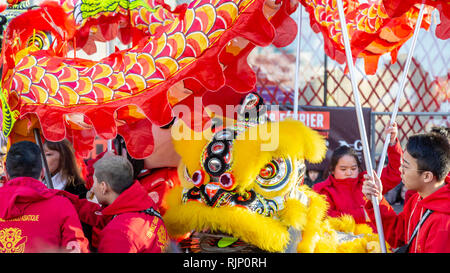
column 24, row 160
column 432, row 152
column 445, row 131
column 340, row 152
column 138, row 164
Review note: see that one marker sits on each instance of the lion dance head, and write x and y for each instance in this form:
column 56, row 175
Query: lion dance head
column 242, row 186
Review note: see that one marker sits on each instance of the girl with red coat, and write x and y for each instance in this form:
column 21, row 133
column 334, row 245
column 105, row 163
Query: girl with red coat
column 425, row 167
column 343, row 186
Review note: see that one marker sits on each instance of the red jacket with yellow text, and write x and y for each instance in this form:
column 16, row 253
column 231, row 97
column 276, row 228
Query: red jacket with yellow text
column 434, row 234
column 125, row 228
column 34, row 219
column 345, row 195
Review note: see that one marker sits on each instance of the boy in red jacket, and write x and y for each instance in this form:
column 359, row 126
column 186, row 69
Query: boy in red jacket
column 34, row 218
column 128, row 218
column 425, row 166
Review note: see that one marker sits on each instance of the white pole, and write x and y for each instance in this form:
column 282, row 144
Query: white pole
column 401, row 90
column 109, row 51
column 359, row 115
column 297, row 61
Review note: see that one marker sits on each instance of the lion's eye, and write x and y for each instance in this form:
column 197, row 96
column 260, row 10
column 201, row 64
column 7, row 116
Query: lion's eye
column 275, row 174
column 268, row 171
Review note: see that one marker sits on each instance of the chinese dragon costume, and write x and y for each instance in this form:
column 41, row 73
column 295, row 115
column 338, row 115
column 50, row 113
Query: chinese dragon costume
column 174, row 55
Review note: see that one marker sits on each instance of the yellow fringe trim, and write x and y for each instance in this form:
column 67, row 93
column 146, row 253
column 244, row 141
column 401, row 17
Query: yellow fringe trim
column 294, row 214
column 319, row 232
column 318, row 207
column 263, row 232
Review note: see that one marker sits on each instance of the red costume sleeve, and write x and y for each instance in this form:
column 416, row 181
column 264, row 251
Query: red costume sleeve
column 88, row 212
column 158, row 184
column 391, row 176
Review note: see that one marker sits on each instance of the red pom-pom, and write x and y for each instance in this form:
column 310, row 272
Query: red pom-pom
column 198, row 177
column 227, row 181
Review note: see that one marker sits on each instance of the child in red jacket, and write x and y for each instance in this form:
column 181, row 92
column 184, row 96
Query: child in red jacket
column 128, row 219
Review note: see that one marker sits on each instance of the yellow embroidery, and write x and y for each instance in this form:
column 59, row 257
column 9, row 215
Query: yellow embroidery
column 24, row 218
column 163, row 239
column 11, row 241
column 152, row 228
